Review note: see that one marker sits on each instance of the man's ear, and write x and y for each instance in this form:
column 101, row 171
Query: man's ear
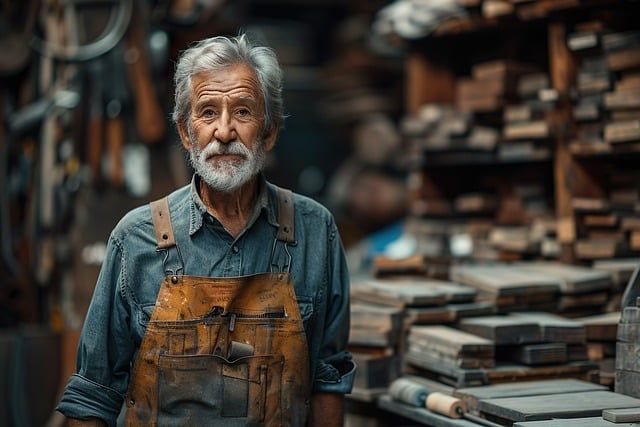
column 270, row 137
column 184, row 135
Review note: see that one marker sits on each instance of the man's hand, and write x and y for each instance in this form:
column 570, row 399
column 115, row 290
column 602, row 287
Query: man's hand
column 327, row 409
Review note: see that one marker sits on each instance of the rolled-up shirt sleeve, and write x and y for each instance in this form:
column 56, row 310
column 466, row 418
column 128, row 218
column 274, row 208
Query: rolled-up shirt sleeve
column 335, row 369
column 105, row 349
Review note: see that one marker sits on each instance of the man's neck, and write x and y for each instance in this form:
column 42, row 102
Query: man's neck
column 233, row 209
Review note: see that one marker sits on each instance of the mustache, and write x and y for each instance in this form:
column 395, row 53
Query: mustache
column 216, row 148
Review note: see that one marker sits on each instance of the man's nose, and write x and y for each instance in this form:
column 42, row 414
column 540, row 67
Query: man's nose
column 225, row 129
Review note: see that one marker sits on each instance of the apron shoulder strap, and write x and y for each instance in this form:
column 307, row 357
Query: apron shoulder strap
column 162, row 223
column 286, row 219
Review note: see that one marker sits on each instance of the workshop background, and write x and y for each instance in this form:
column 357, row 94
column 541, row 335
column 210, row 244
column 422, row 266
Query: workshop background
column 480, row 157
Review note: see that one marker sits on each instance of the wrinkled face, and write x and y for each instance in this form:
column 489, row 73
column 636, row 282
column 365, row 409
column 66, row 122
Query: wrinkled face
column 224, row 134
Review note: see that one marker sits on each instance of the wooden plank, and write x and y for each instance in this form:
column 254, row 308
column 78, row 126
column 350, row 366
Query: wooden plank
column 572, row 279
column 421, row 415
column 372, row 337
column 573, row 422
column 566, row 405
column 503, row 280
column 620, row 268
column 451, row 342
column 471, row 396
column 503, row 372
column 373, row 316
column 540, row 354
column 446, row 314
column 503, row 329
column 602, row 327
column 397, row 293
column 629, row 415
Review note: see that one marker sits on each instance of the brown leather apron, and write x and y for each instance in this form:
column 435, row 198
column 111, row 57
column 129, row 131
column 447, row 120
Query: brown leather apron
column 228, row 351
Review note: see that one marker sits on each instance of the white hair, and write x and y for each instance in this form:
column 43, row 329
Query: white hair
column 217, row 53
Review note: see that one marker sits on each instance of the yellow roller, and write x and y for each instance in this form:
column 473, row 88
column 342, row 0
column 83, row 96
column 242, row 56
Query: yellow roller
column 445, row 405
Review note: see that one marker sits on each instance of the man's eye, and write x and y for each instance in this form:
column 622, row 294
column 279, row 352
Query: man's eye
column 243, row 112
column 208, row 112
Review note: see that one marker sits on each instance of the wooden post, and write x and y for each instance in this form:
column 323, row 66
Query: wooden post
column 427, row 82
column 571, row 178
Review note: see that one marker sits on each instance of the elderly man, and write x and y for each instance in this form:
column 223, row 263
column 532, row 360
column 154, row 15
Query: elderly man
column 225, row 303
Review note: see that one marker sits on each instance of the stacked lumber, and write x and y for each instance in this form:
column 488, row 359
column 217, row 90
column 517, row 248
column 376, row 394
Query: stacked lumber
column 448, row 347
column 601, row 332
column 531, row 338
column 609, row 227
column 382, row 312
column 373, row 335
column 507, row 287
column 474, row 395
column 582, row 290
column 560, row 334
column 526, row 129
column 608, row 86
column 509, row 410
column 491, row 85
column 627, row 375
column 496, row 349
column 439, row 127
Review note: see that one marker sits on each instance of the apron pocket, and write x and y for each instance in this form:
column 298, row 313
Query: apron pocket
column 198, row 390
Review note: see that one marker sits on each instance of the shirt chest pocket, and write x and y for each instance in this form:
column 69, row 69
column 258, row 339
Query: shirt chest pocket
column 305, row 305
column 142, row 317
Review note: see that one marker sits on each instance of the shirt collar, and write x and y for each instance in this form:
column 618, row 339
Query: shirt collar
column 265, row 202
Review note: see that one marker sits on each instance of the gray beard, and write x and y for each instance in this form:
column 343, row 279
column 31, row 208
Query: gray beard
column 229, row 175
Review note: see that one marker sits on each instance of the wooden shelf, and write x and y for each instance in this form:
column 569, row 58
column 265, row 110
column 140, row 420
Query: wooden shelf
column 525, row 13
column 457, row 158
column 575, row 170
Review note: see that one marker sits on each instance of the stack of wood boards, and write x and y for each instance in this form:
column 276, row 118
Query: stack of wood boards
column 448, row 347
column 560, row 334
column 383, row 310
column 472, row 396
column 507, row 410
column 375, row 326
column 576, row 422
column 491, row 85
column 508, row 288
column 620, row 269
column 582, row 290
column 528, row 346
column 609, row 227
column 601, row 332
column 627, row 378
column 608, row 84
column 373, row 335
column 526, row 130
column 425, row 301
column 437, row 128
column 531, row 338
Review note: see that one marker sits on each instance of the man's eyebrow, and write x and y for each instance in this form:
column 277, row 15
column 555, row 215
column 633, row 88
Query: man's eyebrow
column 245, row 99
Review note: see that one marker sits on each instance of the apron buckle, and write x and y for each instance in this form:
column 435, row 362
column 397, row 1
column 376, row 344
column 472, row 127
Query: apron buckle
column 274, row 264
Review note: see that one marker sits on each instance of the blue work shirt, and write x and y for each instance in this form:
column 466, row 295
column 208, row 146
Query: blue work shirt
column 131, row 274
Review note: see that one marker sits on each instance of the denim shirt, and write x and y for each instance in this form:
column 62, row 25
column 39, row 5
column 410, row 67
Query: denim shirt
column 131, row 274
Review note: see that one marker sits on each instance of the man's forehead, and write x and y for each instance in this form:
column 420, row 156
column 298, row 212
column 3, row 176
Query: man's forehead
column 238, row 79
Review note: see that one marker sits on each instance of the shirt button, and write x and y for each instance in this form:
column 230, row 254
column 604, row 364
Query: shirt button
column 235, row 249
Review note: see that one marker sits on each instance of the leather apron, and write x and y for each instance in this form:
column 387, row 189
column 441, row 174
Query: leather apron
column 224, row 351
